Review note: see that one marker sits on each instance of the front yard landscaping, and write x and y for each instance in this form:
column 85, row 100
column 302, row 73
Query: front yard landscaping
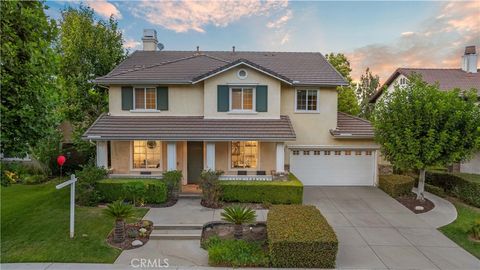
column 458, row 231
column 35, row 227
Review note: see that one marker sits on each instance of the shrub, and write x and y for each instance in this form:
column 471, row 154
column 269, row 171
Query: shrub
column 154, row 191
column 90, row 174
column 17, row 172
column 274, row 192
column 35, row 179
column 236, row 253
column 172, row 179
column 211, row 189
column 86, row 193
column 463, row 186
column 475, row 230
column 299, row 236
column 238, row 215
column 434, row 190
column 396, row 185
column 120, row 211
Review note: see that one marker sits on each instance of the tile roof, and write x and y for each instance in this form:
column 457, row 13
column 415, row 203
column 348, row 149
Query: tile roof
column 191, row 128
column 447, row 79
column 299, row 68
column 349, row 126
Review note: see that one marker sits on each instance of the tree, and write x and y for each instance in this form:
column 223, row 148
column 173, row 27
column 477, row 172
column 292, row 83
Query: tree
column 120, row 211
column 419, row 126
column 28, row 76
column 238, row 215
column 347, row 100
column 90, row 48
column 366, row 88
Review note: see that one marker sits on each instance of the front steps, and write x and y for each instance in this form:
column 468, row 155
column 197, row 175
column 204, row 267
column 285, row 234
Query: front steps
column 190, row 195
column 176, row 231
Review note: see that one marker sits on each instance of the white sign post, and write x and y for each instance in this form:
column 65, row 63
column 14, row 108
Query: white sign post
column 70, row 182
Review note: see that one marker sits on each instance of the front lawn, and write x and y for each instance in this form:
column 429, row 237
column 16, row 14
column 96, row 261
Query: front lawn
column 35, row 227
column 458, row 230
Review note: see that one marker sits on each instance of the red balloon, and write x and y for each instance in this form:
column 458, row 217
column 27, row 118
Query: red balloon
column 61, row 160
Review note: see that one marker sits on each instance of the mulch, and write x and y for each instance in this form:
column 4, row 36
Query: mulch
column 127, row 244
column 410, row 201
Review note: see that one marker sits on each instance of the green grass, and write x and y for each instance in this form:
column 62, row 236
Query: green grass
column 458, row 230
column 35, row 227
column 470, row 177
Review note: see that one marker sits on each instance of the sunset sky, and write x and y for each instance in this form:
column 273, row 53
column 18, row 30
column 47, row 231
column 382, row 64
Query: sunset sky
column 379, row 35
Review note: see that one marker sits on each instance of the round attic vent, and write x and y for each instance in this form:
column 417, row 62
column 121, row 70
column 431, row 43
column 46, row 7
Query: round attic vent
column 242, row 74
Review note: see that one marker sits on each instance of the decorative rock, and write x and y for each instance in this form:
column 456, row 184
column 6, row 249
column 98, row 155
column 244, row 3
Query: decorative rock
column 84, row 235
column 142, row 230
column 419, row 208
column 137, row 243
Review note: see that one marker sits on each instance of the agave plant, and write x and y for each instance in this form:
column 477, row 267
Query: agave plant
column 120, row 211
column 238, row 215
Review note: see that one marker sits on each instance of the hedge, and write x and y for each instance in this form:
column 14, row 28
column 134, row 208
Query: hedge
column 275, row 192
column 463, row 186
column 396, row 185
column 154, row 191
column 236, row 253
column 299, row 236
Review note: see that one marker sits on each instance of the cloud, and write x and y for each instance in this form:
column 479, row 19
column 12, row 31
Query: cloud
column 184, row 16
column 104, row 8
column 280, row 22
column 438, row 42
column 285, row 38
column 131, row 44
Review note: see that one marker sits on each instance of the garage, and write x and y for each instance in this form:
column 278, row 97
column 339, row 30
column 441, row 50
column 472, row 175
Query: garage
column 334, row 167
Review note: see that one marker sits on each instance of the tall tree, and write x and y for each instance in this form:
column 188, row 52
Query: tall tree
column 347, row 100
column 28, row 76
column 419, row 126
column 90, row 48
column 366, row 88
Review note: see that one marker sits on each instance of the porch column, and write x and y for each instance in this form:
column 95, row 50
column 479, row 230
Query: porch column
column 280, row 157
column 102, row 154
column 210, row 156
column 171, row 156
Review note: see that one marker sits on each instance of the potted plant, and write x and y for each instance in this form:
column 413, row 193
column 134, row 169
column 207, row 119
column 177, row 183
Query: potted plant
column 120, row 211
column 238, row 215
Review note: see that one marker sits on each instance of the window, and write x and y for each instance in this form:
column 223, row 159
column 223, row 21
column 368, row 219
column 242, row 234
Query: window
column 368, row 153
column 244, row 154
column 403, row 81
column 338, row 153
column 242, row 74
column 327, row 153
column 145, row 99
column 306, row 153
column 358, row 153
column 316, row 153
column 146, row 154
column 306, row 101
column 348, row 153
column 296, row 152
column 241, row 99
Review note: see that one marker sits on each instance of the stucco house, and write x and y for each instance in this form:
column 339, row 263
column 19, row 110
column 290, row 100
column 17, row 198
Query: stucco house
column 465, row 78
column 250, row 114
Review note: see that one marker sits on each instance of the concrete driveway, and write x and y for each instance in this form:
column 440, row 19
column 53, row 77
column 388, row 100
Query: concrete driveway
column 377, row 232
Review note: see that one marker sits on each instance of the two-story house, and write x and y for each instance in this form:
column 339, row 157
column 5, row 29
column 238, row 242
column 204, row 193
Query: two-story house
column 250, row 114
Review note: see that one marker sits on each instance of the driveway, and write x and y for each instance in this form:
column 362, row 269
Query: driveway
column 377, row 232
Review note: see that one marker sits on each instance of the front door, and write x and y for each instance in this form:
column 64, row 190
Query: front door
column 194, row 161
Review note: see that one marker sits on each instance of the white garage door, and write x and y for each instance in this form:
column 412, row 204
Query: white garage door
column 334, row 167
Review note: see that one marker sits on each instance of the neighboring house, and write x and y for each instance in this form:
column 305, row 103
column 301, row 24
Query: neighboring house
column 465, row 78
column 250, row 114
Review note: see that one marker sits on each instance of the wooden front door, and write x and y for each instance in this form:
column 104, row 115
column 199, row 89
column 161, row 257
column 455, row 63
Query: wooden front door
column 194, row 161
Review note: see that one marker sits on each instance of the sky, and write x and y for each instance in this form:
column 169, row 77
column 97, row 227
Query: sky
column 380, row 35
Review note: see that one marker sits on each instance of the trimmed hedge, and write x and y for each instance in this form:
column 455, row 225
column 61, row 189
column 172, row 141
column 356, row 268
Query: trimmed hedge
column 154, row 191
column 275, row 192
column 463, row 186
column 396, row 185
column 299, row 236
column 236, row 253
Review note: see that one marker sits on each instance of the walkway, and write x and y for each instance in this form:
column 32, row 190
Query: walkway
column 443, row 214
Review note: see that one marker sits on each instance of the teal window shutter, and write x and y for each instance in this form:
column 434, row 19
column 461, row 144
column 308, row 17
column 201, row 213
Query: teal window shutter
column 162, row 98
column 262, row 98
column 223, row 98
column 127, row 98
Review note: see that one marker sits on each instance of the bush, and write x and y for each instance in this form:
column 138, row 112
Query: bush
column 396, row 185
column 299, row 236
column 211, row 189
column 86, row 193
column 434, row 190
column 475, row 230
column 152, row 191
column 463, row 186
column 35, row 179
column 172, row 179
column 236, row 253
column 274, row 192
column 91, row 174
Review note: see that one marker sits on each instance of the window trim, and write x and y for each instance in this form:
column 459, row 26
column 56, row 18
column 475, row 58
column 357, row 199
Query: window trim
column 159, row 169
column 306, row 110
column 254, row 99
column 145, row 99
column 230, row 168
column 242, row 77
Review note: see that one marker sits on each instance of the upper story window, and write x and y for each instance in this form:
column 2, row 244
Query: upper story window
column 145, row 98
column 403, row 81
column 306, row 100
column 242, row 98
column 242, row 74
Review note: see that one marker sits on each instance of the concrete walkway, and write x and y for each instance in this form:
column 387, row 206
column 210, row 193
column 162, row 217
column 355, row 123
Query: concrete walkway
column 442, row 214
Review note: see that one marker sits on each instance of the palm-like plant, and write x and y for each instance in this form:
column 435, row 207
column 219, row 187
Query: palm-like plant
column 120, row 211
column 238, row 215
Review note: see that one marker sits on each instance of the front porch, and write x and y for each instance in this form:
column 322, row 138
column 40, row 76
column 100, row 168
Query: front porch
column 240, row 160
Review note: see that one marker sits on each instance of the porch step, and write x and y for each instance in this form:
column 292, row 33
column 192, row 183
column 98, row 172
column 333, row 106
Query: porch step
column 190, row 195
column 179, row 227
column 176, row 234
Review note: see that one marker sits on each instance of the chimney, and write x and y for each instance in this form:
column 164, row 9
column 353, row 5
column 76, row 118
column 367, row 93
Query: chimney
column 149, row 40
column 469, row 60
column 233, row 49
